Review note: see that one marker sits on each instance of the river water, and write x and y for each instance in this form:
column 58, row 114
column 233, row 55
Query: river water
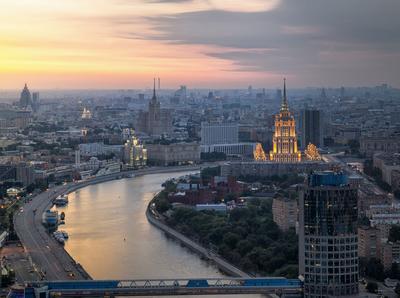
column 109, row 234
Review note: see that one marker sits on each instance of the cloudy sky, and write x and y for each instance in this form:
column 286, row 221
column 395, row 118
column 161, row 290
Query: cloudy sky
column 200, row 43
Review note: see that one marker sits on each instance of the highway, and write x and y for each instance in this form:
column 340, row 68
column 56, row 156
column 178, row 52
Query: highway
column 49, row 257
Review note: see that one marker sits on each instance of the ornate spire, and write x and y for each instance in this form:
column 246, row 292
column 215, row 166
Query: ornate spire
column 284, row 106
column 154, row 91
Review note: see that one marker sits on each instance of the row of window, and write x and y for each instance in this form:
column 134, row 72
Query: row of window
column 342, row 270
column 346, row 247
column 337, row 263
column 331, row 256
column 322, row 291
column 331, row 240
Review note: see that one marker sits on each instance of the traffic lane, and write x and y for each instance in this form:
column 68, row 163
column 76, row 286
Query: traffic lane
column 14, row 256
column 43, row 249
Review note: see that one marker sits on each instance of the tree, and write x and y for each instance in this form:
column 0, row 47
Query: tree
column 373, row 268
column 354, row 146
column 397, row 289
column 372, row 287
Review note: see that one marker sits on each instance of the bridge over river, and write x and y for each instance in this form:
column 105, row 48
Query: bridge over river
column 160, row 287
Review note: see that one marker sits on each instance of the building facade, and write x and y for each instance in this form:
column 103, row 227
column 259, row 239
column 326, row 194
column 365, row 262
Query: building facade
column 284, row 142
column 311, row 128
column 134, row 153
column 368, row 242
column 284, row 212
column 173, row 154
column 369, row 145
column 25, row 99
column 243, row 149
column 328, row 243
column 219, row 133
column 155, row 121
column 265, row 169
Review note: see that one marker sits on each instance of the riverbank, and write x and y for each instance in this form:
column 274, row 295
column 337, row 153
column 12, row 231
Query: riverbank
column 223, row 265
column 47, row 255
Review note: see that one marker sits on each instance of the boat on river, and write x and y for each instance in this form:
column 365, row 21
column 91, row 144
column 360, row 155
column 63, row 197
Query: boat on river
column 50, row 218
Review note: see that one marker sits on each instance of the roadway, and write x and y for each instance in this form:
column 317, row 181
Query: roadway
column 48, row 257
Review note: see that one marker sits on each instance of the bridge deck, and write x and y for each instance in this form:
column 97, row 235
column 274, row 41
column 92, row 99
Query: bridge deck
column 163, row 287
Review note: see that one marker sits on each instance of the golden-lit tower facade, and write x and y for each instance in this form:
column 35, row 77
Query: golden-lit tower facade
column 285, row 139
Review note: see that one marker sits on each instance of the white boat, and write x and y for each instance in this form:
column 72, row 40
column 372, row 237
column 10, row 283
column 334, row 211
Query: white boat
column 61, row 200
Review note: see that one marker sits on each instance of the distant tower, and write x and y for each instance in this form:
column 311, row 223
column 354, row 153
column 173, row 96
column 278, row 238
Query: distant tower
column 77, row 158
column 323, row 93
column 342, row 92
column 35, row 101
column 285, row 139
column 250, row 90
column 25, row 99
column 312, row 127
column 159, row 84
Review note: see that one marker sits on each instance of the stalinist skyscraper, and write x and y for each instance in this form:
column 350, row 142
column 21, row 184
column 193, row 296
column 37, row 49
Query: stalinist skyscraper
column 285, row 138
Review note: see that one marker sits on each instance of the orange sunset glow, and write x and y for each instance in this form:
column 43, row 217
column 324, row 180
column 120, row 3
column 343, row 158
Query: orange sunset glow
column 121, row 43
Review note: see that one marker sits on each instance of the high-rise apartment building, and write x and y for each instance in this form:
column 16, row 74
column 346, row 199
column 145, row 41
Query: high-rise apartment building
column 328, row 243
column 35, row 101
column 284, row 148
column 219, row 133
column 311, row 128
column 25, row 99
column 155, row 121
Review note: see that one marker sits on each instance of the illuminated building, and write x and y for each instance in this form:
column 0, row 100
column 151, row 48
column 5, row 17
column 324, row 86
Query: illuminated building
column 312, row 152
column 259, row 154
column 86, row 114
column 285, row 138
column 135, row 153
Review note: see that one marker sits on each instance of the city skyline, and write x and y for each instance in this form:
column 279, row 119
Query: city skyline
column 123, row 44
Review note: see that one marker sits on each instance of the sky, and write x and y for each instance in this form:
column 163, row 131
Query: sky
column 102, row 44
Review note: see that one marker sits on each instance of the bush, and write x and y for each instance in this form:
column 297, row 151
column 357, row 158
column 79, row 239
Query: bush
column 372, row 287
column 247, row 237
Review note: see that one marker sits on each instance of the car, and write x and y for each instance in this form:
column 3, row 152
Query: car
column 71, row 275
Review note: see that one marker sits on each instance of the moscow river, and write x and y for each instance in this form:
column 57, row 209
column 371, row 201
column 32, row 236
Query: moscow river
column 109, row 234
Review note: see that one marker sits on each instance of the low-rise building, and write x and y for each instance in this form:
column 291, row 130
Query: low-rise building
column 389, row 164
column 263, row 169
column 173, row 154
column 284, row 211
column 369, row 145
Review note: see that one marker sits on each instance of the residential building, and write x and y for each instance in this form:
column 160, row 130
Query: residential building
column 368, row 242
column 219, row 133
column 284, row 212
column 371, row 144
column 389, row 164
column 173, row 154
column 311, row 128
column 155, row 121
column 25, row 99
column 134, row 152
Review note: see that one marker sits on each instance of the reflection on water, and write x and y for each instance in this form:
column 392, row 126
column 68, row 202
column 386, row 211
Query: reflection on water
column 112, row 239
